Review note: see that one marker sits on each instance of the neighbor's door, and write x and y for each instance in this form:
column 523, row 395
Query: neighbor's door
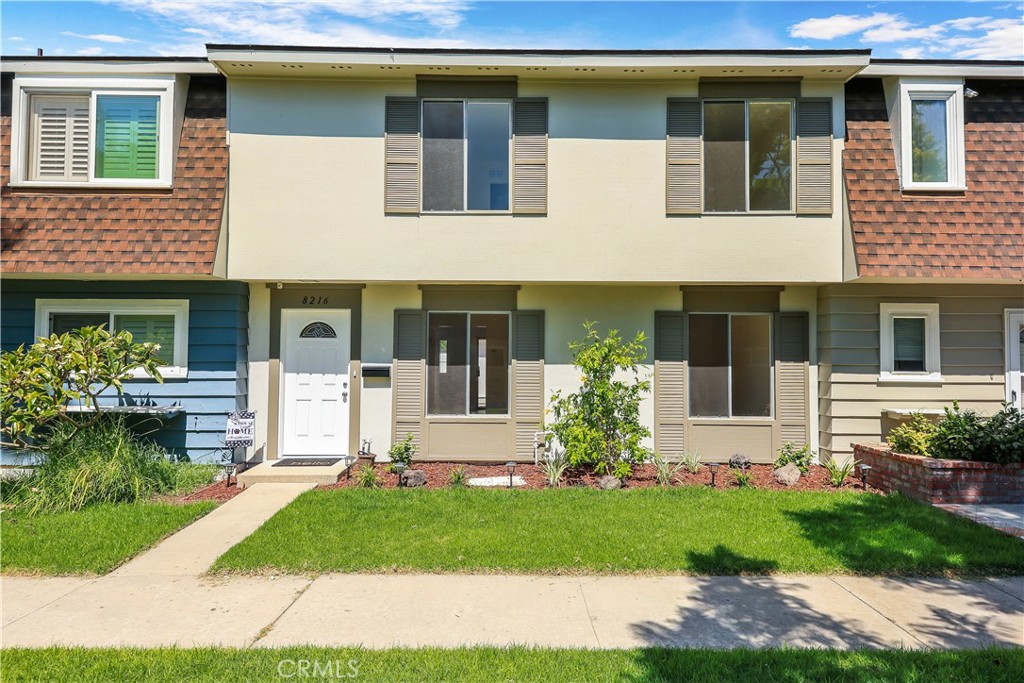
column 315, row 355
column 1015, row 357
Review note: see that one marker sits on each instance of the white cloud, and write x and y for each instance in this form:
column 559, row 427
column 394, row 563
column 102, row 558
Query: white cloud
column 91, row 51
column 15, row 39
column 838, row 25
column 970, row 37
column 100, row 37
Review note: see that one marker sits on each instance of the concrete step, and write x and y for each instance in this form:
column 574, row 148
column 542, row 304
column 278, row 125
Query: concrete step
column 265, row 473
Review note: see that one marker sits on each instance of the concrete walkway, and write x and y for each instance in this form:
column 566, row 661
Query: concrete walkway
column 1008, row 518
column 453, row 610
column 165, row 598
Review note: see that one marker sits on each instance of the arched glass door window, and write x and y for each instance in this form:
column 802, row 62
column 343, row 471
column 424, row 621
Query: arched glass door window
column 318, row 330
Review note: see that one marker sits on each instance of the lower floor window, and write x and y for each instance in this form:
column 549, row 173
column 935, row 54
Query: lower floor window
column 730, row 365
column 468, row 363
column 157, row 321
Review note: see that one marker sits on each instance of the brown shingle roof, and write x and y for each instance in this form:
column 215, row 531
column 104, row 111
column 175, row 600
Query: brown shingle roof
column 974, row 234
column 167, row 232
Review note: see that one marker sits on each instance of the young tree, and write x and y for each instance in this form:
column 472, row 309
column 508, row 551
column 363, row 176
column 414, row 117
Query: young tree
column 599, row 425
column 41, row 381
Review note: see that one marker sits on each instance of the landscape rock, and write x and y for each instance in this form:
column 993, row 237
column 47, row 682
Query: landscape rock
column 787, row 475
column 414, row 478
column 739, row 462
column 609, row 483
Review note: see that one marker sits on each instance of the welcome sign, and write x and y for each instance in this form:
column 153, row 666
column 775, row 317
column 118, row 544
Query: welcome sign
column 241, row 428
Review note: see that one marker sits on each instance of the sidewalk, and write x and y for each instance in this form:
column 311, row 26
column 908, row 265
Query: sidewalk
column 163, row 598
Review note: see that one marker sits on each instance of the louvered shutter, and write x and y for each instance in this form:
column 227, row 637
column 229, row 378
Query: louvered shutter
column 60, row 138
column 409, row 372
column 791, row 385
column 530, row 156
column 153, row 329
column 670, row 383
column 402, row 155
column 683, row 182
column 814, row 156
column 127, row 137
column 527, row 379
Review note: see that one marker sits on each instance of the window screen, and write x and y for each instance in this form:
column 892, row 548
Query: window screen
column 771, row 157
column 908, row 344
column 468, row 364
column 730, row 365
column 724, row 157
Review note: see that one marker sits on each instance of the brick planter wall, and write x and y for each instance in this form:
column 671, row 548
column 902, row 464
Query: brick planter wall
column 942, row 481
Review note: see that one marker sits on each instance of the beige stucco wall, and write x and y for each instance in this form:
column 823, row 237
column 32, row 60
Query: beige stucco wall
column 259, row 365
column 307, row 181
column 851, row 400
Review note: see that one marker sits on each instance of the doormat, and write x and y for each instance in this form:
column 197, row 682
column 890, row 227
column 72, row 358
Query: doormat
column 306, row 462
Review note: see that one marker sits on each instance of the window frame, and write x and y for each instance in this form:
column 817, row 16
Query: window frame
column 21, row 139
column 932, row 359
column 953, row 94
column 771, row 365
column 113, row 307
column 465, row 157
column 746, row 156
column 469, row 335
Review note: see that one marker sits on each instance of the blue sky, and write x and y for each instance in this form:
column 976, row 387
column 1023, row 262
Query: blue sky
column 937, row 30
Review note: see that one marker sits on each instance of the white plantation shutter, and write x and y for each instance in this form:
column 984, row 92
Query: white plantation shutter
column 59, row 138
column 127, row 136
column 149, row 328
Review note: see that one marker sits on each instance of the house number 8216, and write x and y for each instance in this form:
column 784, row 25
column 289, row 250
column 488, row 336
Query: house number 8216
column 314, row 300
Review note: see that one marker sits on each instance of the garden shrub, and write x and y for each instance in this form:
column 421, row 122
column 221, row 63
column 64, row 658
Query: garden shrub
column 913, row 436
column 402, row 453
column 838, row 471
column 599, row 425
column 801, row 456
column 964, row 435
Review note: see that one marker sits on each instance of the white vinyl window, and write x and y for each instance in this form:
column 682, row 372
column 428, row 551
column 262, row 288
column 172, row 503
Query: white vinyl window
column 909, row 343
column 932, row 135
column 157, row 321
column 100, row 132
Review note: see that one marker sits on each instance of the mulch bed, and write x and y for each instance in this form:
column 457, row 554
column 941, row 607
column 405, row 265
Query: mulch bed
column 438, row 474
column 217, row 491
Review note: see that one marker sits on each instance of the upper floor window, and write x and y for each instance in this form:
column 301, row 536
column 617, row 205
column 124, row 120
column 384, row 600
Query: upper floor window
column 75, row 132
column 748, row 156
column 932, row 132
column 466, row 154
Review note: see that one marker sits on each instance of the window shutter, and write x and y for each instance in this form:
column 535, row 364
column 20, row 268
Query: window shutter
column 127, row 137
column 683, row 188
column 791, row 363
column 60, row 138
column 814, row 157
column 670, row 383
column 530, row 156
column 527, row 379
column 408, row 383
column 402, row 155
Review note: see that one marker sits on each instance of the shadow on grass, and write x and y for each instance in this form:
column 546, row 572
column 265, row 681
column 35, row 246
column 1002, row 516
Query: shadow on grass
column 873, row 534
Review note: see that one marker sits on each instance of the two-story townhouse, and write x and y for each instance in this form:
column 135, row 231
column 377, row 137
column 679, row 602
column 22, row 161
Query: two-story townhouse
column 112, row 197
column 425, row 231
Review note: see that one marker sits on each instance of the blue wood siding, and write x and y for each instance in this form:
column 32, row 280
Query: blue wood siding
column 218, row 340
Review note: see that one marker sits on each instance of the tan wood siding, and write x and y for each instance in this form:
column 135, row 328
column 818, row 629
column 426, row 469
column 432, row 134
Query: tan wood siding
column 402, row 155
column 814, row 156
column 527, row 379
column 852, row 402
column 670, row 383
column 530, row 152
column 409, row 374
column 683, row 151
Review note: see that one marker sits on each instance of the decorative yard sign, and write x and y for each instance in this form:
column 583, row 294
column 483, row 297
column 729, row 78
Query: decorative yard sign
column 241, row 429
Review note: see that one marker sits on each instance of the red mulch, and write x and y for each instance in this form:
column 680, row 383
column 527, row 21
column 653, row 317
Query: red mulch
column 218, row 491
column 438, row 474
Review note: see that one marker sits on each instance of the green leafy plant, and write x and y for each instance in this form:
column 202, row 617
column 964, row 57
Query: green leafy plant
column 666, row 469
column 801, row 456
column 692, row 461
column 367, row 478
column 965, row 435
column 599, row 425
column 402, row 452
column 838, row 471
column 744, row 478
column 457, row 477
column 914, row 436
column 38, row 383
column 104, row 462
column 554, row 467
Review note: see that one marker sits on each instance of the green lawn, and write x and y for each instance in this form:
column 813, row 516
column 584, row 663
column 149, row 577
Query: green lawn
column 516, row 664
column 95, row 539
column 692, row 530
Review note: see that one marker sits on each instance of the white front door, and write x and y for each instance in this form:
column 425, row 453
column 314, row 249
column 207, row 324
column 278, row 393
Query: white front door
column 315, row 355
column 1015, row 357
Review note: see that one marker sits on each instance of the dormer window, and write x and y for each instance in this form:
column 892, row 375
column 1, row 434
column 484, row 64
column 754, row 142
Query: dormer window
column 932, row 136
column 100, row 132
